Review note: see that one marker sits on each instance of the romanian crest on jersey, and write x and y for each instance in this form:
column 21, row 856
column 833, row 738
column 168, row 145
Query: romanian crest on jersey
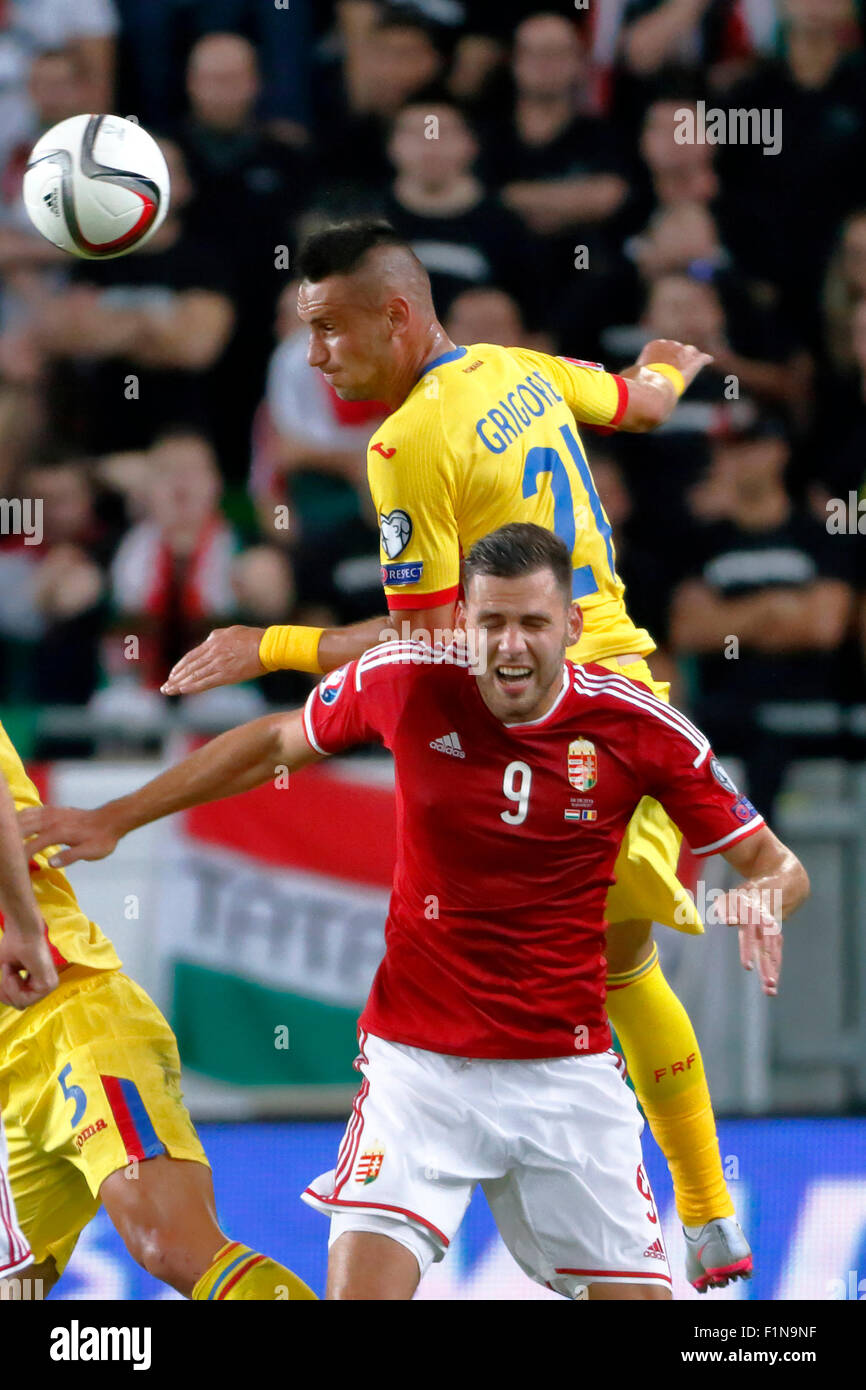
column 370, row 1163
column 582, row 764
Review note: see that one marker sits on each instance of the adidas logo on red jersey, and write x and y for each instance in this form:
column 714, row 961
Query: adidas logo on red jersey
column 656, row 1249
column 448, row 743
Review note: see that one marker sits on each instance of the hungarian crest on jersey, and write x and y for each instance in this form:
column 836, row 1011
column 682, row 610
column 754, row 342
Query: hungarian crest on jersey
column 582, row 764
column 370, row 1163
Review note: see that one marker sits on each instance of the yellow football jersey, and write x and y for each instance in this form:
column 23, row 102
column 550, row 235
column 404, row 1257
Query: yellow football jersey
column 72, row 936
column 488, row 435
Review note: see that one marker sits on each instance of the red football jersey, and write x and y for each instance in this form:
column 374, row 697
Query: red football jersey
column 507, row 837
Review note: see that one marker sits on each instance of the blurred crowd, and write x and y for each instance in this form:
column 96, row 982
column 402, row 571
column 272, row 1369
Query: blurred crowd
column 195, row 470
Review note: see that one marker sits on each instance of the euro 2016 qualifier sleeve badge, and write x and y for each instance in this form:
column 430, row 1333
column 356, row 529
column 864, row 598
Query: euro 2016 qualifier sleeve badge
column 582, row 764
column 370, row 1163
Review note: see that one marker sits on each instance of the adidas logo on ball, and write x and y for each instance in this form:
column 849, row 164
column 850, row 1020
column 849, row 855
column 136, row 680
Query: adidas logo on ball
column 96, row 186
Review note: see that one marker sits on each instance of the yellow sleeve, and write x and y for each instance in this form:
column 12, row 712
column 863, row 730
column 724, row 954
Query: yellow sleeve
column 594, row 396
column 412, row 483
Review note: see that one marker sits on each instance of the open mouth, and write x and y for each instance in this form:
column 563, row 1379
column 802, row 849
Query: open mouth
column 513, row 678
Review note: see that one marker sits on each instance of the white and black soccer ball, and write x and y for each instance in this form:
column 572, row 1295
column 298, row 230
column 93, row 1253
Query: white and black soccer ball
column 96, row 186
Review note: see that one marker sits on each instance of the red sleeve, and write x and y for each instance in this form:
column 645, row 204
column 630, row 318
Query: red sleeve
column 621, row 405
column 357, row 703
column 692, row 785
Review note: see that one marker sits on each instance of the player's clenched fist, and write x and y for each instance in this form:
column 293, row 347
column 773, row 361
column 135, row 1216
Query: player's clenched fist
column 89, row 834
column 27, row 972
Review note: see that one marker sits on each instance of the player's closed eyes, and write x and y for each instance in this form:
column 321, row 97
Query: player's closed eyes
column 533, row 624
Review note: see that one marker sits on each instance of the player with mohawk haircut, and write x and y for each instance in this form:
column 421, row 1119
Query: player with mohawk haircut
column 479, row 436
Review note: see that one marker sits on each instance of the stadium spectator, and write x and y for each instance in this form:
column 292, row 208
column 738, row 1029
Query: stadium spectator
column 830, row 464
column 22, row 402
column 55, row 91
column 844, row 288
column 814, row 179
column 178, row 572
column 309, row 447
column 88, row 28
column 53, row 593
column 662, row 469
column 29, row 265
column 680, row 303
column 133, row 342
column 765, row 606
column 675, row 172
column 462, row 235
column 393, row 57
column 490, row 315
column 153, row 35
column 250, row 188
column 686, row 240
column 558, row 168
column 834, row 463
column 255, row 181
column 720, row 35
column 646, row 569
column 308, row 481
column 683, row 237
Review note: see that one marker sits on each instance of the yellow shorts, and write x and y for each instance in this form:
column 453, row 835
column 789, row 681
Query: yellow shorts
column 647, row 887
column 90, row 1078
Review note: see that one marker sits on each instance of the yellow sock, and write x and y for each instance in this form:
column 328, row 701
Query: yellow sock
column 665, row 1066
column 237, row 1272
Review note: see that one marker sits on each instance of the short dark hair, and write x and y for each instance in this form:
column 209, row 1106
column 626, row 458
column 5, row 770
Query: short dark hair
column 517, row 549
column 439, row 35
column 338, row 249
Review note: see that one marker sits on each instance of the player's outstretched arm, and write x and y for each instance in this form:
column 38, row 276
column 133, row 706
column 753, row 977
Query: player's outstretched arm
column 232, row 654
column 233, row 762
column 775, row 885
column 22, row 945
column 656, row 381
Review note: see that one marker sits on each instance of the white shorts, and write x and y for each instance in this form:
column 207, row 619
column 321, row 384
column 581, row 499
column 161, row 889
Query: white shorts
column 554, row 1143
column 14, row 1251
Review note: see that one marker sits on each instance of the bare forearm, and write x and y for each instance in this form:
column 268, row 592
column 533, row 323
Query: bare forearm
column 183, row 340
column 232, row 763
column 660, row 399
column 17, row 903
column 773, row 874
column 705, row 625
column 337, row 645
column 104, row 333
column 585, row 199
column 649, row 41
column 794, row 620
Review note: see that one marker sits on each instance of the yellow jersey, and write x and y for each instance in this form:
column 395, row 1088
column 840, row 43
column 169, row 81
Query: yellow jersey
column 73, row 938
column 488, row 435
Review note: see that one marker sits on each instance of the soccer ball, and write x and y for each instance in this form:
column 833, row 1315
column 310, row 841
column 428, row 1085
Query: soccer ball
column 96, row 186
